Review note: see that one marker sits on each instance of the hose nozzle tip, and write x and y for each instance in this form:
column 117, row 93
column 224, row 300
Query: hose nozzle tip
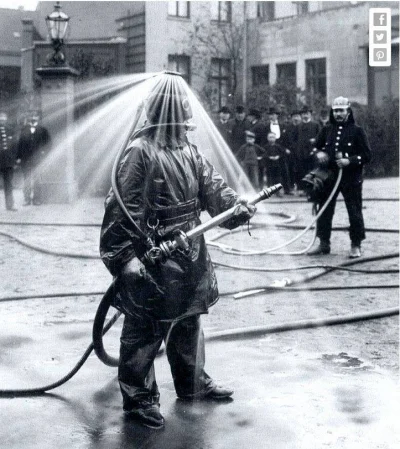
column 276, row 187
column 269, row 191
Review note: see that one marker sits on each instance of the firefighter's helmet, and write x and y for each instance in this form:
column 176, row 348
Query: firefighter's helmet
column 340, row 103
column 167, row 102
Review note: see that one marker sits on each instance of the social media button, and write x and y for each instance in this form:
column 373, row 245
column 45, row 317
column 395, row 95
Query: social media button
column 380, row 37
column 380, row 55
column 380, row 19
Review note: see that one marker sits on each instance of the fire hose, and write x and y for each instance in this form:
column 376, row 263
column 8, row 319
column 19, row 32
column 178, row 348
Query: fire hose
column 229, row 334
column 99, row 329
column 230, row 250
column 181, row 241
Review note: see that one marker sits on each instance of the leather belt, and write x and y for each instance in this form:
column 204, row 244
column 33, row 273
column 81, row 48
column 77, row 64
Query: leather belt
column 179, row 213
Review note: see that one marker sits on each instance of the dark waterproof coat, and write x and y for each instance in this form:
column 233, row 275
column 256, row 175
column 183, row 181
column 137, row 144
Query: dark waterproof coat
column 169, row 184
column 351, row 141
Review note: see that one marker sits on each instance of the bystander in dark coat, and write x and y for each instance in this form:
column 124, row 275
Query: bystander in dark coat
column 307, row 132
column 289, row 141
column 274, row 162
column 239, row 125
column 260, row 129
column 33, row 146
column 223, row 123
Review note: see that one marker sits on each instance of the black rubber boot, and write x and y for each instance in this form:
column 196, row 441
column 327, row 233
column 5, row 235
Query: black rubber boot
column 147, row 413
column 216, row 393
column 355, row 251
column 323, row 248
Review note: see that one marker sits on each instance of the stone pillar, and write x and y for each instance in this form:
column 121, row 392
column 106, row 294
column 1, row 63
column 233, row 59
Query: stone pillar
column 58, row 182
column 27, row 56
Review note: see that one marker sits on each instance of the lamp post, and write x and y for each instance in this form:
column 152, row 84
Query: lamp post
column 57, row 25
column 57, row 99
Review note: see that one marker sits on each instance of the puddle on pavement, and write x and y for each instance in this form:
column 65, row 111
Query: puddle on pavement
column 343, row 360
column 14, row 341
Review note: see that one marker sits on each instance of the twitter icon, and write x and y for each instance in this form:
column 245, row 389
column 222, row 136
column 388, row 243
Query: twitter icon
column 380, row 37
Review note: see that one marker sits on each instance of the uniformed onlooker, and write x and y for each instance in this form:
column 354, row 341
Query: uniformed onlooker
column 33, row 145
column 343, row 145
column 7, row 159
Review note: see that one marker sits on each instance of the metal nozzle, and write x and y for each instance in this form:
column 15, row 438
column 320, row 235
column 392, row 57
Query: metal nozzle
column 266, row 193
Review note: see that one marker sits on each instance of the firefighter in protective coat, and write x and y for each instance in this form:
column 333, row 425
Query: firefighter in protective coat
column 343, row 144
column 164, row 182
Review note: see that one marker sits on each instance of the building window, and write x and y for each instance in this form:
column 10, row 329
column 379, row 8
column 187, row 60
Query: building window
column 221, row 11
column 286, row 73
column 266, row 10
column 316, row 77
column 260, row 75
column 301, row 8
column 179, row 9
column 181, row 64
column 221, row 81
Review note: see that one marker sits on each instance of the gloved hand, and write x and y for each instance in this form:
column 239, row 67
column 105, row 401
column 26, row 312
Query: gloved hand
column 243, row 212
column 245, row 209
column 322, row 158
column 343, row 162
column 135, row 284
column 133, row 268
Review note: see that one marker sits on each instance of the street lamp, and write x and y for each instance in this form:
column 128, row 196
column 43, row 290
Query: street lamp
column 57, row 24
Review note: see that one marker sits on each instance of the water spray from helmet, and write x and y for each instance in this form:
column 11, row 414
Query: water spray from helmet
column 167, row 105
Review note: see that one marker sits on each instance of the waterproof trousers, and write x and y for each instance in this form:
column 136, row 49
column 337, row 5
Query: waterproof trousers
column 140, row 341
column 352, row 195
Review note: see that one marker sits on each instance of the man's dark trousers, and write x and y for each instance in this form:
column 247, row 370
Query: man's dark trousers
column 352, row 194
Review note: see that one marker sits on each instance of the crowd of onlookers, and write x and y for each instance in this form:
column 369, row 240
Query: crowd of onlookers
column 25, row 147
column 270, row 148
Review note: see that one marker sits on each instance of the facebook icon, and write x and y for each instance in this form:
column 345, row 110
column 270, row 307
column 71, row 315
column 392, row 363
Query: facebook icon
column 380, row 19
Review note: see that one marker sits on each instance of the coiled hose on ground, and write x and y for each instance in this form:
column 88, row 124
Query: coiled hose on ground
column 99, row 329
